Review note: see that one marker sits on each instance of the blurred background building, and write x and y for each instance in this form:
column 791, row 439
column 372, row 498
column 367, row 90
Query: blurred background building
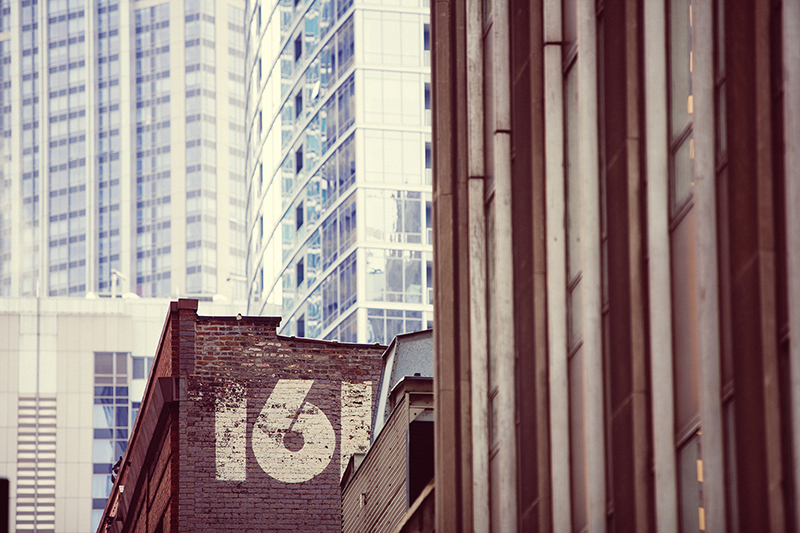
column 339, row 166
column 122, row 148
column 72, row 374
column 121, row 172
column 617, row 268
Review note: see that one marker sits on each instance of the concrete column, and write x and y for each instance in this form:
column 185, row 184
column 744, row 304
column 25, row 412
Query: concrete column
column 556, row 267
column 708, row 320
column 660, row 307
column 479, row 355
column 591, row 280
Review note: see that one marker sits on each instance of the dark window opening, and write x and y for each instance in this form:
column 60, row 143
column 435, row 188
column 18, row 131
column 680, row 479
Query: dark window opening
column 420, row 458
column 298, row 160
column 298, row 47
column 298, row 216
column 301, row 272
column 301, row 326
column 426, row 37
column 428, row 215
column 428, row 158
column 427, row 96
column 298, row 103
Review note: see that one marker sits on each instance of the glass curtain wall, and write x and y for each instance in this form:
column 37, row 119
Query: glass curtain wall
column 153, row 223
column 67, row 191
column 30, row 195
column 6, row 220
column 108, row 143
column 338, row 165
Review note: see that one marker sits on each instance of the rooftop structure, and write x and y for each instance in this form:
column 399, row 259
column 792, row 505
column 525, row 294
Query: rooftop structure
column 379, row 487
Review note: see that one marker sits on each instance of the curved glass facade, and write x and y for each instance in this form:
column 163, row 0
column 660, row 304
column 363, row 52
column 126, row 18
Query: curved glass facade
column 338, row 166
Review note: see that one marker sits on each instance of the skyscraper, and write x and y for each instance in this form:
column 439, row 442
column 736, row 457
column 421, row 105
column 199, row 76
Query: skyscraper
column 338, row 166
column 121, row 159
column 121, row 169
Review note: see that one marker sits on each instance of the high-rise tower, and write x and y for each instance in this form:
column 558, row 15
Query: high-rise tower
column 121, row 160
column 338, row 166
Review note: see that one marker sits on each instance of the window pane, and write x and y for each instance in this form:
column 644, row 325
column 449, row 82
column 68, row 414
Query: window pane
column 122, row 363
column 684, row 322
column 375, row 330
column 122, row 417
column 683, row 180
column 101, row 486
column 103, row 416
column 573, row 178
column 138, row 368
column 103, row 363
column 690, row 487
column 680, row 64
column 103, row 451
column 413, row 280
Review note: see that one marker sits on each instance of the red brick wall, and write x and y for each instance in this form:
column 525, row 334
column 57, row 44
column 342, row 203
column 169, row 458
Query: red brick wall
column 242, row 361
column 254, row 434
column 152, row 486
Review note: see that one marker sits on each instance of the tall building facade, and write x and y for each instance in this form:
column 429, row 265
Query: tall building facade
column 339, row 166
column 122, row 161
column 617, row 268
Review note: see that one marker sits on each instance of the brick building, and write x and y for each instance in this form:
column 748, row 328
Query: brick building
column 381, row 486
column 241, row 429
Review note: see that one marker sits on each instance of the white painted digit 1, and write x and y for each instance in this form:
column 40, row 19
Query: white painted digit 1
column 286, row 411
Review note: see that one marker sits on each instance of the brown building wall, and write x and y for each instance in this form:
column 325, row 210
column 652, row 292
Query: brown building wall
column 639, row 149
column 252, row 359
column 381, row 479
column 250, row 435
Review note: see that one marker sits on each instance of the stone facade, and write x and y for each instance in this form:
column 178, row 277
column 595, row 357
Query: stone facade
column 254, row 429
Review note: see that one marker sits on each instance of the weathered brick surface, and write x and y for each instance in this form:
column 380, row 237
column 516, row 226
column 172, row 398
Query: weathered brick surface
column 255, row 442
column 234, row 358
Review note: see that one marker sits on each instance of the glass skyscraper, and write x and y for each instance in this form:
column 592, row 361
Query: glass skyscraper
column 121, row 148
column 339, row 166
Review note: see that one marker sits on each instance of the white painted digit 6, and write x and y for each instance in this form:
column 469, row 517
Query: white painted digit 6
column 286, row 411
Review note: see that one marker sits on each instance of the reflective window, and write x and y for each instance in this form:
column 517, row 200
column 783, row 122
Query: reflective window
column 393, row 216
column 347, row 224
column 346, row 331
column 339, row 290
column 394, row 276
column 110, row 417
column 300, row 272
column 299, row 215
column 384, row 324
